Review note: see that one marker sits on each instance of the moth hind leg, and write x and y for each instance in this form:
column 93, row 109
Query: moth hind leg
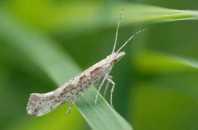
column 70, row 103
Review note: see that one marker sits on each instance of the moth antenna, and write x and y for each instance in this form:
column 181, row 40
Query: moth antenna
column 116, row 33
column 116, row 37
column 129, row 39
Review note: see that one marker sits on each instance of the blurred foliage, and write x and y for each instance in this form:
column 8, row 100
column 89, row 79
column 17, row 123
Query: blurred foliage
column 156, row 83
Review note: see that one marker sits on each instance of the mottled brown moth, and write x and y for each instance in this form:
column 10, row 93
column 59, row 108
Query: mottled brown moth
column 42, row 103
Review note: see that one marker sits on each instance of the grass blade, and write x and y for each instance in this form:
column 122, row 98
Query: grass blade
column 156, row 62
column 94, row 15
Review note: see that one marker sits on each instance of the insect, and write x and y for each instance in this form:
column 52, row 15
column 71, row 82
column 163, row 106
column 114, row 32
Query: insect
column 42, row 103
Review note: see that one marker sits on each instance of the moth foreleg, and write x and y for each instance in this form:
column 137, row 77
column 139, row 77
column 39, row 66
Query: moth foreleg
column 109, row 79
column 100, row 87
column 106, row 89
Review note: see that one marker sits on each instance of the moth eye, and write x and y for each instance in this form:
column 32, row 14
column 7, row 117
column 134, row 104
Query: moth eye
column 113, row 61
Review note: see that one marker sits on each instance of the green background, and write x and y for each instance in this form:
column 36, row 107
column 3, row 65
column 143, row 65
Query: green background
column 156, row 82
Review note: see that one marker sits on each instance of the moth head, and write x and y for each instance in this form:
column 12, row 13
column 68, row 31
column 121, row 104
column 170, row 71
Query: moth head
column 117, row 56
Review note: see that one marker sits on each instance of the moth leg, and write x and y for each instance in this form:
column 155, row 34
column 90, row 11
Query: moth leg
column 69, row 108
column 70, row 105
column 109, row 79
column 107, row 85
column 100, row 87
column 106, row 88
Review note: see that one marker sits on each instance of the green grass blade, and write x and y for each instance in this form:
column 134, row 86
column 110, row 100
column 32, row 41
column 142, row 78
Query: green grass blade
column 93, row 15
column 156, row 62
column 60, row 67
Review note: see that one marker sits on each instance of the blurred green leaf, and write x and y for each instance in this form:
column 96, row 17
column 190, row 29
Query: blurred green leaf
column 171, row 93
column 81, row 15
column 156, row 62
column 166, row 108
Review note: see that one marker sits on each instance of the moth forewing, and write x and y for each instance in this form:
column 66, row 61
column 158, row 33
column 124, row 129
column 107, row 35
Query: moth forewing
column 41, row 103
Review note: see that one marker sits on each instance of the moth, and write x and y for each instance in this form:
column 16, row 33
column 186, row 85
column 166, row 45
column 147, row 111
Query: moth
column 40, row 104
